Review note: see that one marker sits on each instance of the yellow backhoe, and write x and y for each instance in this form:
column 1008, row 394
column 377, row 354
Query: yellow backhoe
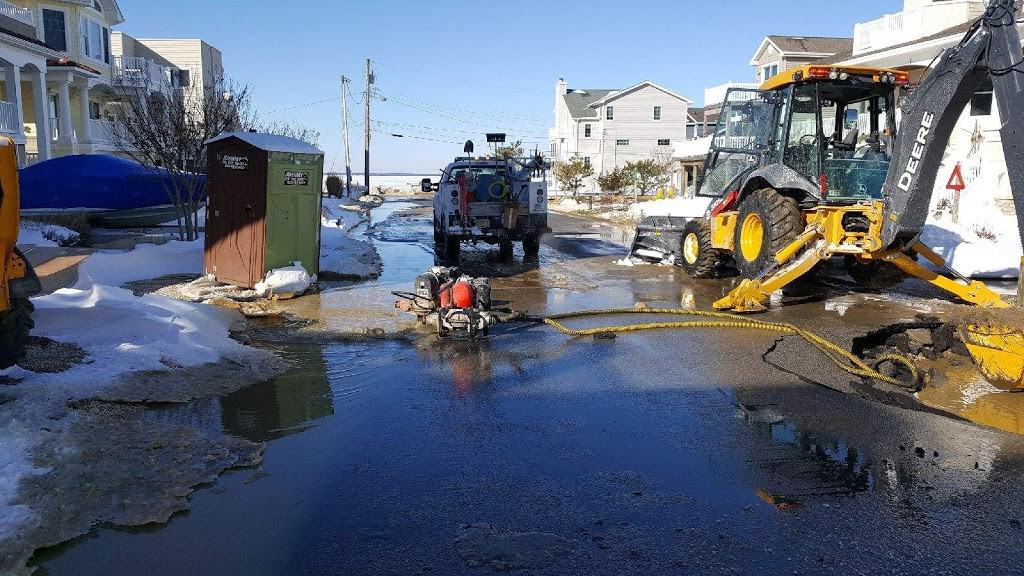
column 18, row 282
column 811, row 166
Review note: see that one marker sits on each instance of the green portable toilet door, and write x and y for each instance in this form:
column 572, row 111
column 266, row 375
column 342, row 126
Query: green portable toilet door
column 293, row 211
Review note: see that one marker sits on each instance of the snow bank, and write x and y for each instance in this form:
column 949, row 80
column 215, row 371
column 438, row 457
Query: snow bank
column 146, row 261
column 288, row 281
column 124, row 333
column 39, row 234
column 340, row 254
column 694, row 207
column 996, row 255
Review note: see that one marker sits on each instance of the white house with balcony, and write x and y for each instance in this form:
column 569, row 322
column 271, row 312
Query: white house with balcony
column 778, row 53
column 62, row 63
column 608, row 128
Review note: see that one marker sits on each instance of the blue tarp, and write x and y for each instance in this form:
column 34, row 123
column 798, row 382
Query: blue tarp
column 93, row 181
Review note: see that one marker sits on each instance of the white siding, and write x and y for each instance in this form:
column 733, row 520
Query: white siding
column 634, row 121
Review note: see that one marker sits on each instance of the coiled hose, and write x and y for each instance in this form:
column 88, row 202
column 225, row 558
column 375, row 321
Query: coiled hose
column 842, row 358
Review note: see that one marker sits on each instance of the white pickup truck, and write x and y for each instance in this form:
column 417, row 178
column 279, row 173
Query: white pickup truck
column 492, row 200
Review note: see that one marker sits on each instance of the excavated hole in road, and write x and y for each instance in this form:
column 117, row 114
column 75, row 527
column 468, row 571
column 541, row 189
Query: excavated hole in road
column 924, row 341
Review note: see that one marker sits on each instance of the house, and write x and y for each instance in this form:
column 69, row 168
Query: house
column 610, row 127
column 910, row 40
column 778, row 53
column 192, row 63
column 62, row 63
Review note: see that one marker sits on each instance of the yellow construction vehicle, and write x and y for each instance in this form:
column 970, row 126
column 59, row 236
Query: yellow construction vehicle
column 812, row 166
column 18, row 281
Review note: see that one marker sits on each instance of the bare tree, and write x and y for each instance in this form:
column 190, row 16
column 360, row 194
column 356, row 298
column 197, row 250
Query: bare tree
column 291, row 130
column 165, row 128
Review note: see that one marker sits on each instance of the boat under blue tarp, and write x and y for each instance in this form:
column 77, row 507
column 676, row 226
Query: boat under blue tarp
column 108, row 189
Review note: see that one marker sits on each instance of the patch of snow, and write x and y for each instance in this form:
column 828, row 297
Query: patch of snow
column 40, row 234
column 628, row 262
column 340, row 254
column 345, row 214
column 995, row 253
column 695, row 207
column 146, row 261
column 290, row 280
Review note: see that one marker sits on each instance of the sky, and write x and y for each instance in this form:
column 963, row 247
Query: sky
column 451, row 70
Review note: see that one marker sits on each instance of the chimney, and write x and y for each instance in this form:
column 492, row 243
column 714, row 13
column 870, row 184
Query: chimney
column 561, row 87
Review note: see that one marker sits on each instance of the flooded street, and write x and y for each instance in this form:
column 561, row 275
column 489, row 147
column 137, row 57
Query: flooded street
column 686, row 451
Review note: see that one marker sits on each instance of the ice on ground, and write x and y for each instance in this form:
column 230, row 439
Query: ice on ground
column 144, row 262
column 288, row 281
column 345, row 214
column 695, row 207
column 40, row 234
column 630, row 262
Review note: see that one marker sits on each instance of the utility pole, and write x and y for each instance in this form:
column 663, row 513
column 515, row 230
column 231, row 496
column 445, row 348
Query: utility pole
column 344, row 121
column 366, row 128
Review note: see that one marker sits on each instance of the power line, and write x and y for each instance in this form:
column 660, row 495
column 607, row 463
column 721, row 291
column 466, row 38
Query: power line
column 490, row 126
column 473, row 110
column 459, row 79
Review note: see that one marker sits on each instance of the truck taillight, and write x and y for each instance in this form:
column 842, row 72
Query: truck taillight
column 902, row 79
column 818, row 72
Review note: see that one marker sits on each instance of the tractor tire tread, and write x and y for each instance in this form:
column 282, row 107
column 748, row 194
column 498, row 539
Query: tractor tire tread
column 782, row 220
column 15, row 326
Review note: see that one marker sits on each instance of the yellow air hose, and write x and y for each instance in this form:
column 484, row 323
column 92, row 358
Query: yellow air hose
column 842, row 358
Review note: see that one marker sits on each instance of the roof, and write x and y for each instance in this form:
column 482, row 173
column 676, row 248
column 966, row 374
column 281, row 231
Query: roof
column 805, row 45
column 270, row 142
column 579, row 100
column 646, row 83
column 28, row 39
column 696, row 114
column 65, row 63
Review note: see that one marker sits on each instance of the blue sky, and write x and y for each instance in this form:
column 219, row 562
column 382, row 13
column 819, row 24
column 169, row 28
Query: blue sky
column 453, row 69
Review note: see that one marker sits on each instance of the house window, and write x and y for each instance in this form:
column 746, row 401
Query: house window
column 179, row 78
column 657, row 112
column 981, row 101
column 769, row 71
column 664, row 142
column 622, row 142
column 96, row 6
column 54, row 31
column 106, row 45
column 609, row 113
column 92, row 38
column 691, row 131
column 586, row 130
column 586, row 161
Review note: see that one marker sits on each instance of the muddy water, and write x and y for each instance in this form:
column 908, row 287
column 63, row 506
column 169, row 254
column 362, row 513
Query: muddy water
column 961, row 390
column 667, row 451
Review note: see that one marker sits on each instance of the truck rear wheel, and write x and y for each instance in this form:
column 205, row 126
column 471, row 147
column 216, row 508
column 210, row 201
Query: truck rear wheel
column 531, row 246
column 697, row 256
column 505, row 250
column 767, row 223
column 15, row 325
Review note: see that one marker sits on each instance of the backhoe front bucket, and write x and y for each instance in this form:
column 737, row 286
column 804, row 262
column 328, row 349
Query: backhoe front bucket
column 658, row 237
column 998, row 351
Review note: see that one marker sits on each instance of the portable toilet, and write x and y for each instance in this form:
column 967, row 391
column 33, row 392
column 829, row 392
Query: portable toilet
column 263, row 206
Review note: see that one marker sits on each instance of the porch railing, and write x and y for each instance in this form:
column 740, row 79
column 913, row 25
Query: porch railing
column 102, row 130
column 139, row 71
column 9, row 121
column 16, row 12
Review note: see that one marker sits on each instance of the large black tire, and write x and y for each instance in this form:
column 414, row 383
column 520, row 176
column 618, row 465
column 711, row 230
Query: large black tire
column 531, row 246
column 505, row 250
column 15, row 325
column 768, row 222
column 438, row 235
column 874, row 274
column 696, row 254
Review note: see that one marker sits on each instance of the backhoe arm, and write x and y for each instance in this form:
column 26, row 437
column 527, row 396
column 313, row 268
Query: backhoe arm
column 990, row 49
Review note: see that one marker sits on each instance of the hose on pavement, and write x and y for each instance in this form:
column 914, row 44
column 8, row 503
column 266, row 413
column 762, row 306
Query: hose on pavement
column 842, row 358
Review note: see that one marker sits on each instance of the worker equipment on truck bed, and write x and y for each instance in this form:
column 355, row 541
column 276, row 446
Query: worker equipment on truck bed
column 18, row 281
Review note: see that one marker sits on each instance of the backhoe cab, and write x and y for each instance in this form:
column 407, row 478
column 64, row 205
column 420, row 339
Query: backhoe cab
column 810, row 137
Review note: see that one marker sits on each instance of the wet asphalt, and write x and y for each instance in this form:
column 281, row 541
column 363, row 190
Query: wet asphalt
column 670, row 452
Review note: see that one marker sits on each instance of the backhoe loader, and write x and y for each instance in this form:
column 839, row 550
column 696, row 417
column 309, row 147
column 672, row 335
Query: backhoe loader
column 18, row 281
column 812, row 166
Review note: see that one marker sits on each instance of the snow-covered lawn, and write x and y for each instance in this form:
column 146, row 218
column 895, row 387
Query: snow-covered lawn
column 989, row 249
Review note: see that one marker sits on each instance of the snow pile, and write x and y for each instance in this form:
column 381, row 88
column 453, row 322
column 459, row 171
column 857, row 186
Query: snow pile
column 40, row 234
column 695, row 207
column 285, row 282
column 342, row 256
column 989, row 249
column 344, row 215
column 146, row 261
column 123, row 333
